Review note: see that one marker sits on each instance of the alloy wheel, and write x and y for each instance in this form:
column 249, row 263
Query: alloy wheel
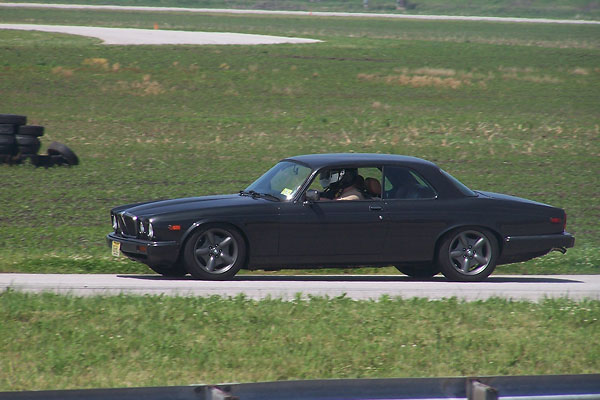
column 216, row 251
column 470, row 252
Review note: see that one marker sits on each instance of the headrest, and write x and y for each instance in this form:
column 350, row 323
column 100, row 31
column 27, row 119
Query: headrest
column 373, row 186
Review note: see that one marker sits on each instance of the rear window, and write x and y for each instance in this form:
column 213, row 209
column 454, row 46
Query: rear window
column 404, row 183
column 459, row 185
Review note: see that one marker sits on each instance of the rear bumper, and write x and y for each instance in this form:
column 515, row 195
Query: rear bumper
column 150, row 253
column 521, row 248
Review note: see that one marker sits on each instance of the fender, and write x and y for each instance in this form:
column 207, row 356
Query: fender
column 210, row 220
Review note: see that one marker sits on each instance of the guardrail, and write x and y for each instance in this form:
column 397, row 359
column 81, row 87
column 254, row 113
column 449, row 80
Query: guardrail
column 546, row 387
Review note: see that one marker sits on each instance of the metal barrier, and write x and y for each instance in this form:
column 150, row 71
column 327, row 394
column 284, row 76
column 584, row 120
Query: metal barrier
column 546, row 387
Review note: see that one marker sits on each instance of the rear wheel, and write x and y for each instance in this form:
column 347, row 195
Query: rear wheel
column 214, row 252
column 468, row 255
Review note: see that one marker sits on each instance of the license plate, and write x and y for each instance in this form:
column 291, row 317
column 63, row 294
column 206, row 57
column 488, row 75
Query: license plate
column 116, row 249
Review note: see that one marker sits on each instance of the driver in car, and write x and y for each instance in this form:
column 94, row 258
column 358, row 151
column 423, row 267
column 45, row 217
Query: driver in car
column 341, row 184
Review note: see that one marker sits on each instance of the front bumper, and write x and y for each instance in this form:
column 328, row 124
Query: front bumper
column 521, row 248
column 151, row 253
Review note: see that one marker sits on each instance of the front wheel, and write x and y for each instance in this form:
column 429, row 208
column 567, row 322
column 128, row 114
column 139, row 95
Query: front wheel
column 468, row 255
column 215, row 253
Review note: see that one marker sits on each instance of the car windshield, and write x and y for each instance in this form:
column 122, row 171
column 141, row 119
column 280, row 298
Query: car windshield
column 282, row 181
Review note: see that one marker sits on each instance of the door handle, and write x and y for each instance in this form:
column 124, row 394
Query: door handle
column 375, row 208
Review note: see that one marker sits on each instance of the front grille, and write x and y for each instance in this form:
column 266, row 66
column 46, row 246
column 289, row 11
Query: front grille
column 126, row 225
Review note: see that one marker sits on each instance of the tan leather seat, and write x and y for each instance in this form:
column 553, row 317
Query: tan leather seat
column 373, row 187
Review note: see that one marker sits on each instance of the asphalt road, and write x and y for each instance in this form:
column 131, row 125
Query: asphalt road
column 130, row 36
column 359, row 287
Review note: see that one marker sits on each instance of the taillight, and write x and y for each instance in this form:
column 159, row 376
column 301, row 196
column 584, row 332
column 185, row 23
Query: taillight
column 558, row 220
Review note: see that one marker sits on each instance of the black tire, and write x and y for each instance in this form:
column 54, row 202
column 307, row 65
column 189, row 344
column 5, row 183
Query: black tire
column 58, row 160
column 13, row 119
column 59, row 149
column 8, row 145
column 12, row 160
column 42, row 160
column 31, row 130
column 215, row 253
column 176, row 270
column 7, row 150
column 419, row 272
column 468, row 255
column 8, row 129
column 28, row 145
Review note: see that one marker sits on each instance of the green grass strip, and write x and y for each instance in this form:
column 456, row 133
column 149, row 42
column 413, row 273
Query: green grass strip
column 53, row 342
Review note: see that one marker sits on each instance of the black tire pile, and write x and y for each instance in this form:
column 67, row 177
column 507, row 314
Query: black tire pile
column 20, row 142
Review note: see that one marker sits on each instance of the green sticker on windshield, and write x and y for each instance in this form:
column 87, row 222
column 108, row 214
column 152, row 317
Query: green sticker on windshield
column 286, row 192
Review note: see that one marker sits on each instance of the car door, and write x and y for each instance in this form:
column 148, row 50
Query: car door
column 413, row 213
column 333, row 231
column 344, row 231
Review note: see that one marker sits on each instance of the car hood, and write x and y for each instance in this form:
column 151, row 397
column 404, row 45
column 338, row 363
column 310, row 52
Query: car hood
column 162, row 207
column 506, row 197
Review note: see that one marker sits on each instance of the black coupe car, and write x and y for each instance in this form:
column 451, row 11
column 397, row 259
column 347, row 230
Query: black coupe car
column 339, row 210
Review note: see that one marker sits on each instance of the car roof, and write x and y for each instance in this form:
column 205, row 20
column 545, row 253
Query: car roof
column 317, row 161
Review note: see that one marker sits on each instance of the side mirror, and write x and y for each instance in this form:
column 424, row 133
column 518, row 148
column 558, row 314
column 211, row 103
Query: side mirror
column 312, row 196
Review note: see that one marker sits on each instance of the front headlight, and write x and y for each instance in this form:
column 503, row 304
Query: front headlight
column 145, row 229
column 150, row 230
column 113, row 219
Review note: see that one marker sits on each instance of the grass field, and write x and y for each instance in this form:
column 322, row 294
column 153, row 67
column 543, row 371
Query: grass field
column 52, row 341
column 511, row 108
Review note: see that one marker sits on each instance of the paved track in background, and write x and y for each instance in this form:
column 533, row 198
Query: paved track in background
column 130, row 36
column 303, row 13
column 358, row 287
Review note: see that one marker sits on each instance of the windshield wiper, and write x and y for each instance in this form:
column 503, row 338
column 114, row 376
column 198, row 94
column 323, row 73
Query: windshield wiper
column 270, row 196
column 255, row 194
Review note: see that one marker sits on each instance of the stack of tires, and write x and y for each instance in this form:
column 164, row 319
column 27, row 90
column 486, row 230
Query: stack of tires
column 19, row 142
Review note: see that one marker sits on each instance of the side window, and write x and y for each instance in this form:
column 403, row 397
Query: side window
column 366, row 183
column 371, row 186
column 404, row 183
